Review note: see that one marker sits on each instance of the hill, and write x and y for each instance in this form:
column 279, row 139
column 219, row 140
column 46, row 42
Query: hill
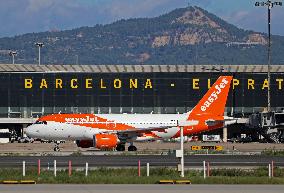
column 184, row 36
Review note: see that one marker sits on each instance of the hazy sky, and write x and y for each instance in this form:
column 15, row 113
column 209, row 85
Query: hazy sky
column 25, row 16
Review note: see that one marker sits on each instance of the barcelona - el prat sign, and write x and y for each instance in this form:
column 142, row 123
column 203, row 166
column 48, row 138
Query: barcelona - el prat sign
column 134, row 89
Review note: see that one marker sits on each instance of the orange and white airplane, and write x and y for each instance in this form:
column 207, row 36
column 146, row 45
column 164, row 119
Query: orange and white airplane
column 108, row 131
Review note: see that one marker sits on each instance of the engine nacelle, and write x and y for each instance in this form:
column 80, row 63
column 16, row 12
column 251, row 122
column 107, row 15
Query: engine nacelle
column 105, row 141
column 85, row 143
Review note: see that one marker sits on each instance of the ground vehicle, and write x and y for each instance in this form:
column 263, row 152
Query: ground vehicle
column 5, row 135
column 211, row 138
column 25, row 139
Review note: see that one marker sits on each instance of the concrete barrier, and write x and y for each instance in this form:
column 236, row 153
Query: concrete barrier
column 19, row 182
column 27, row 182
column 10, row 182
column 166, row 182
column 182, row 182
column 174, row 182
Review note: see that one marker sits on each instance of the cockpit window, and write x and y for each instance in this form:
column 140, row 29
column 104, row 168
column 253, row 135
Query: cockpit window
column 41, row 122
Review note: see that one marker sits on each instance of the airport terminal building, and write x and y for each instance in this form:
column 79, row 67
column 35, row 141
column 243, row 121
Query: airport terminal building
column 30, row 91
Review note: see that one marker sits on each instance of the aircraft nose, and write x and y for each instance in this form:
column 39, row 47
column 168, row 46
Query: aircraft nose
column 30, row 131
column 27, row 130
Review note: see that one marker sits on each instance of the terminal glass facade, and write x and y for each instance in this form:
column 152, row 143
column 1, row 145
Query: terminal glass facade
column 35, row 94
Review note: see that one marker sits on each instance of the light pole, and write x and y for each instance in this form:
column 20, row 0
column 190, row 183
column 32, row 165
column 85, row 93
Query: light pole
column 39, row 45
column 270, row 4
column 13, row 54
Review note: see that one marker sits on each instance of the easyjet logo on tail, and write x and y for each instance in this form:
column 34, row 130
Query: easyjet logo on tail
column 214, row 96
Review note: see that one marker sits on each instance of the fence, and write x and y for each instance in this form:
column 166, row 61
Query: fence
column 206, row 168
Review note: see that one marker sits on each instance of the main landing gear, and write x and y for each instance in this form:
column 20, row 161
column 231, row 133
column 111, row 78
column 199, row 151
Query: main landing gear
column 121, row 147
column 132, row 148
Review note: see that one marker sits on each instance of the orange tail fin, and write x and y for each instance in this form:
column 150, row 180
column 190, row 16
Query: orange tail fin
column 214, row 101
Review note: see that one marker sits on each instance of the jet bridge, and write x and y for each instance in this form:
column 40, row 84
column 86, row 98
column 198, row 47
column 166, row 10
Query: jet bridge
column 269, row 124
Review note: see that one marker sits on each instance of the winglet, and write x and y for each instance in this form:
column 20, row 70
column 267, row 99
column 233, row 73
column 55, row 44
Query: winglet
column 214, row 101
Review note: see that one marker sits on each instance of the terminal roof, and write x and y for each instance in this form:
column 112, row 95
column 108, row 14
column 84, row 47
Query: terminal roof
column 137, row 68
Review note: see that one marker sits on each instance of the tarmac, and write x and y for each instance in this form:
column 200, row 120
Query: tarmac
column 60, row 188
column 69, row 146
column 191, row 161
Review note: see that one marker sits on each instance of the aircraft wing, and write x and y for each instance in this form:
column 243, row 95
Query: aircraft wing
column 227, row 121
column 143, row 130
column 159, row 128
column 138, row 131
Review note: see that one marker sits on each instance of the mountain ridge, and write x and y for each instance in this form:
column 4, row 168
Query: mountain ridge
column 189, row 35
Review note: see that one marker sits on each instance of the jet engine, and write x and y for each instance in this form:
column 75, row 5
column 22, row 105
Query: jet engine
column 84, row 143
column 105, row 141
column 100, row 141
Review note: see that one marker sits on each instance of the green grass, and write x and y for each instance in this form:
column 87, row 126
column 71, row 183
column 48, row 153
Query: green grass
column 130, row 176
column 273, row 152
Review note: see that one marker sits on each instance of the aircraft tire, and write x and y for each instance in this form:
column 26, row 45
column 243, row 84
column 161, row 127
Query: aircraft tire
column 120, row 147
column 132, row 148
column 56, row 149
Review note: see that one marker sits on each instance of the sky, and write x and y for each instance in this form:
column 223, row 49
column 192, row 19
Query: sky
column 26, row 16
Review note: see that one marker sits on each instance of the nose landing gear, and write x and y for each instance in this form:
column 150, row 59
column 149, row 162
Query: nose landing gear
column 56, row 147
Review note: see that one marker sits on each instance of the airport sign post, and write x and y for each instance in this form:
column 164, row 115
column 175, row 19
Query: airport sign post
column 272, row 168
column 148, row 169
column 38, row 167
column 139, row 168
column 208, row 169
column 87, row 168
column 269, row 170
column 24, row 168
column 69, row 168
column 204, row 169
column 180, row 152
column 54, row 167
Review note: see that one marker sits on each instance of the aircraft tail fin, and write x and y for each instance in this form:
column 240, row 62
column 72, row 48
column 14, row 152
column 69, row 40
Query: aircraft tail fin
column 214, row 101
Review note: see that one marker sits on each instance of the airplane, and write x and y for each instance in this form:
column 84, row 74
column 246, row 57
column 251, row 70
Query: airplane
column 113, row 131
